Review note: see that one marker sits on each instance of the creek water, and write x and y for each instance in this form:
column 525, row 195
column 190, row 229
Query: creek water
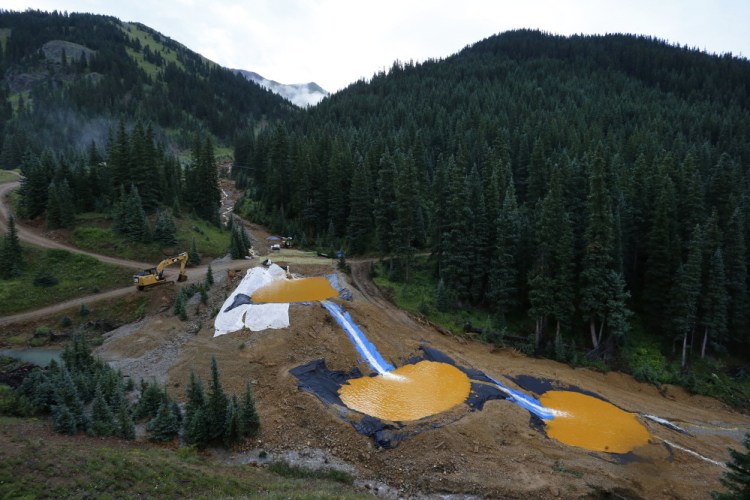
column 409, row 392
column 297, row 290
column 39, row 357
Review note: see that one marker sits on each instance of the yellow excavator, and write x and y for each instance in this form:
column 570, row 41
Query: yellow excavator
column 155, row 275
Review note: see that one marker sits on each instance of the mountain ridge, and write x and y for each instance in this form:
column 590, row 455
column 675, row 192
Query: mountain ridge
column 300, row 94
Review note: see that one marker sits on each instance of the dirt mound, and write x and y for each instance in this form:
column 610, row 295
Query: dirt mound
column 496, row 452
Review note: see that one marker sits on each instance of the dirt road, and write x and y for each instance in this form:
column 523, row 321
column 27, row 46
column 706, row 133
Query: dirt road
column 35, row 237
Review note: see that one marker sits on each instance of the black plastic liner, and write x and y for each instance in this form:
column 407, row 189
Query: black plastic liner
column 314, row 377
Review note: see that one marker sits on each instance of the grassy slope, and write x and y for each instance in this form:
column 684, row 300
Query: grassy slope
column 34, row 462
column 77, row 275
column 209, row 239
column 8, row 176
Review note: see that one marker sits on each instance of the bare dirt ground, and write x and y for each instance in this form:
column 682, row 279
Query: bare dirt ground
column 493, row 453
column 489, row 453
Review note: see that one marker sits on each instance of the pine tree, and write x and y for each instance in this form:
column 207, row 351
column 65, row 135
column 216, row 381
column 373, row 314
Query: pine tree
column 737, row 478
column 687, row 290
column 197, row 428
column 195, row 397
column 232, row 431
column 216, row 405
column 504, row 272
column 165, row 231
column 152, row 397
column 125, row 427
column 102, row 420
column 11, row 254
column 209, row 281
column 194, row 258
column 180, row 305
column 360, row 224
column 63, row 420
column 164, row 426
column 715, row 302
column 249, row 418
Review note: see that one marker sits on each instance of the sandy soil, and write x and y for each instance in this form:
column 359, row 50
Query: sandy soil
column 490, row 453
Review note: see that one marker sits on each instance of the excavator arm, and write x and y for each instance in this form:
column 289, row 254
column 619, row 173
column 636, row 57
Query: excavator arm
column 155, row 276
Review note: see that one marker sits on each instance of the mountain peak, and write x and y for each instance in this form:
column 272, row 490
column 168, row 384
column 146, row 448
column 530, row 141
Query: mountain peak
column 299, row 94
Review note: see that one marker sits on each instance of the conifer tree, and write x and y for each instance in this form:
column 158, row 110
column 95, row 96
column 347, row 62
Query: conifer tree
column 63, row 420
column 197, row 428
column 209, row 281
column 165, row 231
column 180, row 305
column 11, row 254
column 232, row 431
column 737, row 477
column 715, row 302
column 360, row 224
column 194, row 258
column 102, row 420
column 503, row 285
column 249, row 418
column 151, row 399
column 195, row 397
column 164, row 426
column 216, row 405
column 687, row 290
column 125, row 426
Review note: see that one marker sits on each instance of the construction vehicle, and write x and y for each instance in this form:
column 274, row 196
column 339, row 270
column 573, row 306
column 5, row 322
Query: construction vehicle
column 155, row 275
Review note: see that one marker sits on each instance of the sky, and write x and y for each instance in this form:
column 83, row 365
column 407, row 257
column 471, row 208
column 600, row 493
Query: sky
column 337, row 42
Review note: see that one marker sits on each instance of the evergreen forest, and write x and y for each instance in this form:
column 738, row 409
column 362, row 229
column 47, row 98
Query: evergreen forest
column 587, row 193
column 582, row 190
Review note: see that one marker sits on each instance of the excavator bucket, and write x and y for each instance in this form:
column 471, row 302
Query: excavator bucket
column 182, row 277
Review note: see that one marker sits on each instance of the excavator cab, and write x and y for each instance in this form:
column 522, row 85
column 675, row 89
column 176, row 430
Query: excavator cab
column 155, row 275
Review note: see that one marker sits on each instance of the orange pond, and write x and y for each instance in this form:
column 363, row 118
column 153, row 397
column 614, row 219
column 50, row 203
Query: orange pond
column 588, row 422
column 409, row 392
column 299, row 290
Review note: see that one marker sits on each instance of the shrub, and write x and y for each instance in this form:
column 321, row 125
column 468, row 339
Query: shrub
column 44, row 278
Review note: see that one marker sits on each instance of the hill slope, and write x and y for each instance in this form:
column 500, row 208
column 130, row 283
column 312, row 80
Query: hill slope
column 67, row 73
column 568, row 174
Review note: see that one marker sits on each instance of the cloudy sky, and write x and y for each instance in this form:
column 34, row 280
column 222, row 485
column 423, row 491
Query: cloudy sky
column 336, row 42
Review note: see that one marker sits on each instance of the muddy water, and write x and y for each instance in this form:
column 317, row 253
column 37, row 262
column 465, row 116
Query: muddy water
column 299, row 290
column 588, row 422
column 409, row 392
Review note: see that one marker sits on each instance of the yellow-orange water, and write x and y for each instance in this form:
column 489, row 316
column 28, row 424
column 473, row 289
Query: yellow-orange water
column 409, row 392
column 588, row 422
column 300, row 290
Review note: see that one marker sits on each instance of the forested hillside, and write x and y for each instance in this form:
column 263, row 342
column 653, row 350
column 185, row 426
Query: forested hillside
column 100, row 116
column 576, row 186
column 68, row 78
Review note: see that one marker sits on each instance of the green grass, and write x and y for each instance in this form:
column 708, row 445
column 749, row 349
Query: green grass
column 97, row 237
column 418, row 296
column 77, row 276
column 32, row 465
column 8, row 176
column 284, row 469
column 147, row 40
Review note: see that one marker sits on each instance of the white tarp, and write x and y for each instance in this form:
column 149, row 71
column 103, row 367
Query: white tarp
column 253, row 316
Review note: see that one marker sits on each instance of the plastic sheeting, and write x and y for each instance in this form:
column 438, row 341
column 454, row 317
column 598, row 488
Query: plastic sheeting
column 236, row 313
